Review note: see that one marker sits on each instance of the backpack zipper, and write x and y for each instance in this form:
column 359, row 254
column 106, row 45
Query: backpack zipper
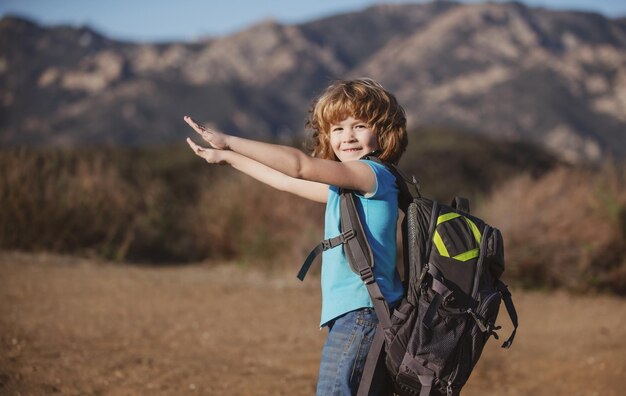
column 478, row 319
column 481, row 259
column 455, row 373
column 470, row 311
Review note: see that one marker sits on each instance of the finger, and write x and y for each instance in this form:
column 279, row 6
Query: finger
column 193, row 125
column 206, row 135
column 191, row 143
column 199, row 128
column 196, row 149
column 202, row 131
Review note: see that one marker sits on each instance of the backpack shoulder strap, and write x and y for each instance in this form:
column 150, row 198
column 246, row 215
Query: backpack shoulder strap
column 409, row 186
column 360, row 256
column 510, row 309
column 373, row 362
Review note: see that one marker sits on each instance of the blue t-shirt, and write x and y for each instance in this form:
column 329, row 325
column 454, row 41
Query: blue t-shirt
column 343, row 290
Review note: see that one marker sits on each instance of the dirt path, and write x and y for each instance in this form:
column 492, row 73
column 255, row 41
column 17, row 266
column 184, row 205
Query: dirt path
column 77, row 327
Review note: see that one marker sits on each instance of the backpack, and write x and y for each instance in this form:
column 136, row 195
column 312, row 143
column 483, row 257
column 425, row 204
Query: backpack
column 452, row 266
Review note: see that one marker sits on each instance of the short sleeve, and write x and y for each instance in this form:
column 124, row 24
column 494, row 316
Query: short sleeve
column 385, row 180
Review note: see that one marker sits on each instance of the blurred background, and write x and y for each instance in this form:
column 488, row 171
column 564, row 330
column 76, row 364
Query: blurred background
column 500, row 97
column 520, row 106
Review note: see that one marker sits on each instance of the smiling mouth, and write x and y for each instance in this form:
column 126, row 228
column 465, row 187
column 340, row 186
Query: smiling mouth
column 352, row 149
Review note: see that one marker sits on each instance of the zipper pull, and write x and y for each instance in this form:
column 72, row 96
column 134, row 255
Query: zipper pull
column 449, row 389
column 478, row 321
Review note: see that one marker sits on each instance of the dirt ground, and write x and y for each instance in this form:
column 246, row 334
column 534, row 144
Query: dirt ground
column 80, row 327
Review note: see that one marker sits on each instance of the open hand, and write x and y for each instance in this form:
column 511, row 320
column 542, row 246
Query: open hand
column 216, row 139
column 211, row 156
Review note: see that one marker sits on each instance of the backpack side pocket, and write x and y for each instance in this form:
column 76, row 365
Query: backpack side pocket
column 397, row 336
column 487, row 312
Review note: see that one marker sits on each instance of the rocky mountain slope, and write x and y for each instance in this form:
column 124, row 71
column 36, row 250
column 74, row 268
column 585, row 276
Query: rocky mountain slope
column 507, row 70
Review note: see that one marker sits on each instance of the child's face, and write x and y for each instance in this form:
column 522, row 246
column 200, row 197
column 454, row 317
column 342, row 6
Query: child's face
column 351, row 139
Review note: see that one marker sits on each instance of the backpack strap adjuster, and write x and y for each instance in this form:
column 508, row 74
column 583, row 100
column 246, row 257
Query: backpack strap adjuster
column 367, row 275
column 338, row 240
column 323, row 246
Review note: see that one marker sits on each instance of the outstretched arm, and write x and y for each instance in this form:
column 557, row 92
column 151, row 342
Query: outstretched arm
column 352, row 175
column 317, row 192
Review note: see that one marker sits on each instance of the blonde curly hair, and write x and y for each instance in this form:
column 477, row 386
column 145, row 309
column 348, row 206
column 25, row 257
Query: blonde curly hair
column 365, row 100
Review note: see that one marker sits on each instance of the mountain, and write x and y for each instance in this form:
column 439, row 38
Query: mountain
column 556, row 78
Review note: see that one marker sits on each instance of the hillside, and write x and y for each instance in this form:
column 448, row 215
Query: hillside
column 557, row 78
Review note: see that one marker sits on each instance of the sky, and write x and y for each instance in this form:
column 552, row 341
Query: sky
column 189, row 20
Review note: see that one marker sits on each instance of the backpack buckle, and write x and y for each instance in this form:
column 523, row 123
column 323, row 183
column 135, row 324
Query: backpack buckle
column 338, row 240
column 326, row 244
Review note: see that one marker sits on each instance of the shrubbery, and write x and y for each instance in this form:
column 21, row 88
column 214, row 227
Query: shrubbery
column 565, row 229
column 563, row 226
column 149, row 205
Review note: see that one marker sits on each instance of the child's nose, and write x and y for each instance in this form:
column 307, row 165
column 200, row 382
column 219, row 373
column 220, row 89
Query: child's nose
column 349, row 135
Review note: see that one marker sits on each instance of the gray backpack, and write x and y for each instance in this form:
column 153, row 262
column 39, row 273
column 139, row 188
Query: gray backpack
column 453, row 261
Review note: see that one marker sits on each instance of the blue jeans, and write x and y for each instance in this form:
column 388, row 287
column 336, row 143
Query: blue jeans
column 344, row 354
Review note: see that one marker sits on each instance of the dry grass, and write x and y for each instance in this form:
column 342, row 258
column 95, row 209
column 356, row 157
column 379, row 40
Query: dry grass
column 564, row 227
column 160, row 205
column 567, row 228
column 248, row 221
column 59, row 202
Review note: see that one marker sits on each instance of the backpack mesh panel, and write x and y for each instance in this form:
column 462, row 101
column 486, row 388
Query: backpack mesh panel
column 436, row 343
